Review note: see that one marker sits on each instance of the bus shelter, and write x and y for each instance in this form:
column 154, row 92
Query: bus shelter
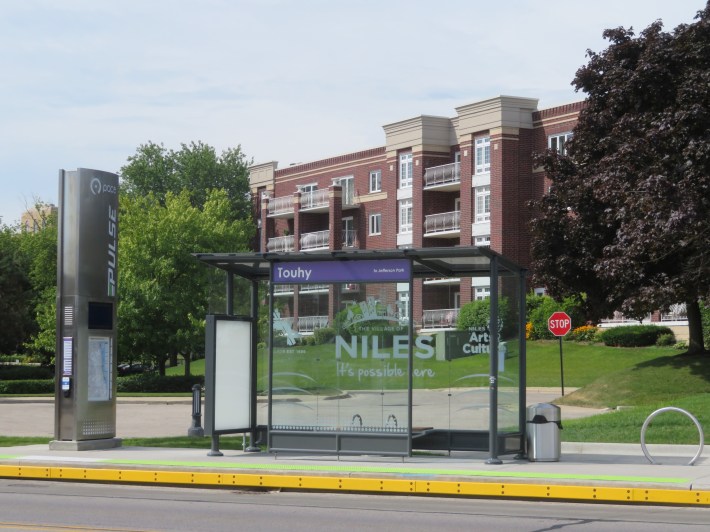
column 336, row 351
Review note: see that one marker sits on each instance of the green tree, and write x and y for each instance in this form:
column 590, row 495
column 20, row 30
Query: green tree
column 196, row 167
column 477, row 314
column 627, row 221
column 163, row 290
column 15, row 294
column 39, row 250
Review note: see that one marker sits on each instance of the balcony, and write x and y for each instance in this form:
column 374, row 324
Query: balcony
column 284, row 289
column 440, row 318
column 313, row 289
column 315, row 201
column 677, row 312
column 442, row 281
column 280, row 243
column 350, row 238
column 444, row 178
column 443, row 225
column 308, row 324
column 317, row 240
column 281, row 207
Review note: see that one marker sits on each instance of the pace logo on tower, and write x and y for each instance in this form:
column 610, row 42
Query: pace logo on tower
column 97, row 187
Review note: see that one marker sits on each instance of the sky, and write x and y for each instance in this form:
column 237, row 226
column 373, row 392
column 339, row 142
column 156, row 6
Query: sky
column 83, row 83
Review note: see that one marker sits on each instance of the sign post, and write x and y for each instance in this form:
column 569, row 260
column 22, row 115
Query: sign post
column 559, row 324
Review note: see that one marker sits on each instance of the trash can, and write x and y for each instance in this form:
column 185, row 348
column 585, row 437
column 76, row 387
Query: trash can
column 543, row 432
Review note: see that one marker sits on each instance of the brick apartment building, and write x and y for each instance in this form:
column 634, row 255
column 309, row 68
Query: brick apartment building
column 437, row 181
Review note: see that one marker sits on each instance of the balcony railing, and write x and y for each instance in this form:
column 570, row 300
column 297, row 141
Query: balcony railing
column 308, row 324
column 445, row 318
column 313, row 288
column 316, row 240
column 442, row 280
column 349, row 238
column 280, row 243
column 284, row 289
column 314, row 199
column 445, row 174
column 443, row 222
column 282, row 205
column 677, row 312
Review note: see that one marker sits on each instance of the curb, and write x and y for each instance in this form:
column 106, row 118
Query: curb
column 347, row 483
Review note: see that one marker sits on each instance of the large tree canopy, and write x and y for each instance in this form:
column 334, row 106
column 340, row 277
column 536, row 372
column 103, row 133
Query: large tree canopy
column 163, row 289
column 195, row 168
column 15, row 294
column 627, row 219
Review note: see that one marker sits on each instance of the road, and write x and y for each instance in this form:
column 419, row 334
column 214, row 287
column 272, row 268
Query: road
column 54, row 507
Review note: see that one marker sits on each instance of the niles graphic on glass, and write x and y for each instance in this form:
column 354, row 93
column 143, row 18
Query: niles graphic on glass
column 100, row 315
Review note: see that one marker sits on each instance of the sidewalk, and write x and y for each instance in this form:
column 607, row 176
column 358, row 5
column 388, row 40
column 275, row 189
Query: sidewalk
column 585, row 472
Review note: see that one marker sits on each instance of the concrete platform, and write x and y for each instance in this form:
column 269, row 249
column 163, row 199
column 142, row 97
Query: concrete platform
column 585, row 472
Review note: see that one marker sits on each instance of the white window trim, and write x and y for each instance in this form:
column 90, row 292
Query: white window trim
column 375, row 224
column 307, row 187
column 347, row 182
column 555, row 140
column 482, row 193
column 406, row 170
column 482, row 240
column 482, row 151
column 378, row 180
column 405, row 209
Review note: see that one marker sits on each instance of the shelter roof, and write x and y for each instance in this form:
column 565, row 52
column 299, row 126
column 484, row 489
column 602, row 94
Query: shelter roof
column 456, row 261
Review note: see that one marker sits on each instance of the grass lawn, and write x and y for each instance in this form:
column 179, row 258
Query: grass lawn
column 583, row 363
column 642, row 379
column 624, row 426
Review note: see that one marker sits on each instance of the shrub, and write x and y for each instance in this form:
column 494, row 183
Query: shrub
column 543, row 307
column 16, row 373
column 665, row 339
column 633, row 335
column 28, row 386
column 323, row 335
column 585, row 333
column 154, row 383
column 476, row 314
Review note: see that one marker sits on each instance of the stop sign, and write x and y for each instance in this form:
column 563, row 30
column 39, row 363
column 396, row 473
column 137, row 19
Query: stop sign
column 559, row 323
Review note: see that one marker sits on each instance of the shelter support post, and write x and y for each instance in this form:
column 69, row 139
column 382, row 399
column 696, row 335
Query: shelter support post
column 494, row 328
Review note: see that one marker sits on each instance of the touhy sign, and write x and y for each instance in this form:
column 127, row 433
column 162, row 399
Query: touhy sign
column 559, row 323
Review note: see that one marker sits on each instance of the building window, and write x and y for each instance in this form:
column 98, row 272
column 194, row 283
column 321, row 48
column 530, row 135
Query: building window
column 348, row 185
column 482, row 292
column 375, row 180
column 405, row 170
column 483, row 240
column 349, row 233
column 405, row 216
column 483, row 155
column 403, row 306
column 310, row 187
column 558, row 142
column 483, row 204
column 376, row 224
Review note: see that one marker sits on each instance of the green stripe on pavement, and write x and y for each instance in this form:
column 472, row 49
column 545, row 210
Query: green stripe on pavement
column 400, row 470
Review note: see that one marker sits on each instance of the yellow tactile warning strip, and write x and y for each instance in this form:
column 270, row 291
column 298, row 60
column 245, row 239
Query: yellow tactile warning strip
column 514, row 490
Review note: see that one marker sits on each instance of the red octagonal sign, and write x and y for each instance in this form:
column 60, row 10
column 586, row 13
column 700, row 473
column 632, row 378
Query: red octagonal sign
column 559, row 323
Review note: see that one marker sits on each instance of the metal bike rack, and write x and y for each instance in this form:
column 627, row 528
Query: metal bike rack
column 671, row 409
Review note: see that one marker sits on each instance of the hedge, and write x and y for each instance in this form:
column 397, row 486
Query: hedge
column 17, row 373
column 142, row 383
column 27, row 386
column 633, row 335
column 154, row 383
